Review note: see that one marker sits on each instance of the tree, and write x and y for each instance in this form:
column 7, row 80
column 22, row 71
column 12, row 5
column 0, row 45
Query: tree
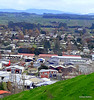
column 30, row 32
column 63, row 25
column 47, row 45
column 57, row 46
column 9, row 86
column 65, row 38
column 1, row 86
column 79, row 40
column 42, row 67
column 20, row 35
column 43, row 32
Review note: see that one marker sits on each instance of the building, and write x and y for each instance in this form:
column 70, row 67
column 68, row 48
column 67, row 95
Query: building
column 46, row 56
column 26, row 55
column 67, row 59
column 1, row 66
column 93, row 57
column 15, row 69
column 3, row 75
column 48, row 73
column 11, row 57
column 32, row 71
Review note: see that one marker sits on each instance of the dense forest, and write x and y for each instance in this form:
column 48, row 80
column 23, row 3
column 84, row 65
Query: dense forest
column 69, row 16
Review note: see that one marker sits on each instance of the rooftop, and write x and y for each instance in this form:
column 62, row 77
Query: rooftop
column 47, row 55
column 2, row 92
column 25, row 54
column 43, row 70
column 68, row 56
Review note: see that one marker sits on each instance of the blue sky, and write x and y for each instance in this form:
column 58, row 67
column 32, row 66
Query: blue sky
column 75, row 6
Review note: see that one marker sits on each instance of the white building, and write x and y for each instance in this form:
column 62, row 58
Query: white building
column 15, row 69
column 1, row 66
column 55, row 60
column 93, row 57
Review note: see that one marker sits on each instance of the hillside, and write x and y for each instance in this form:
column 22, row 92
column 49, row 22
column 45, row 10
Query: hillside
column 46, row 19
column 63, row 90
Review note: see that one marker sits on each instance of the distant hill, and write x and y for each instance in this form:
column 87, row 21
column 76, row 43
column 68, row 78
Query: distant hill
column 10, row 10
column 37, row 11
column 79, row 88
column 90, row 14
column 41, row 11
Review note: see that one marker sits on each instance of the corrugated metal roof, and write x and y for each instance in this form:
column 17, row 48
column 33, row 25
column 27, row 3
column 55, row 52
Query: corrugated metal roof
column 68, row 56
column 2, row 92
column 25, row 54
column 47, row 55
column 43, row 70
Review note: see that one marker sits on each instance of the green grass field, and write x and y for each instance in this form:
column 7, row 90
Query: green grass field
column 78, row 88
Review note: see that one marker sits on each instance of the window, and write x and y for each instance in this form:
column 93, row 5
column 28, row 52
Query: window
column 54, row 72
column 45, row 73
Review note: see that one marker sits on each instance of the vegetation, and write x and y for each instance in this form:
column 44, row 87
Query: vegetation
column 42, row 67
column 46, row 19
column 38, row 34
column 3, row 86
column 79, row 88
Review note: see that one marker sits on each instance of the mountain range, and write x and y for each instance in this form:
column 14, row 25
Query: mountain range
column 37, row 11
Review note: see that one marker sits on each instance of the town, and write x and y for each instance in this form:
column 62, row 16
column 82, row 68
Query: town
column 31, row 58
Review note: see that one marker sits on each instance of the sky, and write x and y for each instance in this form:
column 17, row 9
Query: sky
column 74, row 6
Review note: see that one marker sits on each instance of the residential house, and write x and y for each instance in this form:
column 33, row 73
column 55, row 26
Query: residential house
column 15, row 69
column 92, row 56
column 32, row 71
column 48, row 73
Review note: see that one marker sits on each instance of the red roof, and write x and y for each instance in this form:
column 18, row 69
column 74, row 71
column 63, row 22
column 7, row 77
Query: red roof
column 47, row 55
column 25, row 54
column 2, row 92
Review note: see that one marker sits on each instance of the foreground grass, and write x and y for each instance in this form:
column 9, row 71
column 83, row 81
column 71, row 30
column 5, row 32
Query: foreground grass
column 69, row 89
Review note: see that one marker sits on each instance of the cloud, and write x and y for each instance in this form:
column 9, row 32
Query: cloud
column 76, row 6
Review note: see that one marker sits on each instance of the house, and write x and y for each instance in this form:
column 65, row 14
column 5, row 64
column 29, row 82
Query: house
column 41, row 60
column 74, row 52
column 93, row 57
column 10, row 56
column 6, row 63
column 1, row 66
column 69, row 72
column 26, row 37
column 32, row 39
column 36, row 64
column 15, row 69
column 48, row 37
column 13, row 46
column 32, row 71
column 3, row 75
column 86, row 50
column 48, row 73
column 36, row 80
